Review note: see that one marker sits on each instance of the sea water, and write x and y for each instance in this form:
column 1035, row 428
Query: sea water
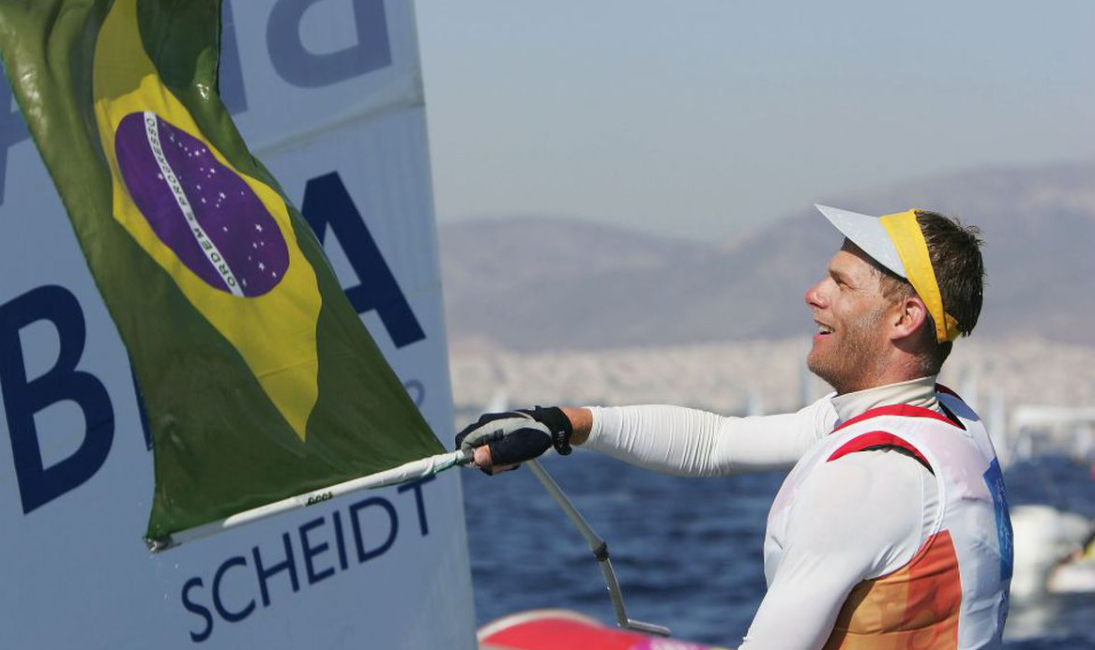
column 687, row 551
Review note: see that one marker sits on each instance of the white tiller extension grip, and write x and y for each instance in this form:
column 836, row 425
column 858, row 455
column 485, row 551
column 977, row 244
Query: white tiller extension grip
column 600, row 551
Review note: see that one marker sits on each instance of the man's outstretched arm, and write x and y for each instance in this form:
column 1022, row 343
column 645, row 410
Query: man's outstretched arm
column 692, row 442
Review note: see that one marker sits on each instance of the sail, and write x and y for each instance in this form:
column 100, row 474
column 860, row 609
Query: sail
column 258, row 379
column 328, row 94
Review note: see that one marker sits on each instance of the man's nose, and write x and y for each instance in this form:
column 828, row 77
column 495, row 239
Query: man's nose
column 814, row 297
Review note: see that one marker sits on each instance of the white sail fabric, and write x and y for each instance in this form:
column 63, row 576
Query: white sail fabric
column 329, row 95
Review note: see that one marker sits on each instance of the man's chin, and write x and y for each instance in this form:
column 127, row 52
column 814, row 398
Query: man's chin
column 817, row 366
column 813, row 363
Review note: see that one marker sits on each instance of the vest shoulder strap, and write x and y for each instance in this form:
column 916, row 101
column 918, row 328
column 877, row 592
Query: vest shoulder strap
column 876, row 440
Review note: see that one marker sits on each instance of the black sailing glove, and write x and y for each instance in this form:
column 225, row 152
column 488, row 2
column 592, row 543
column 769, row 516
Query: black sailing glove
column 517, row 436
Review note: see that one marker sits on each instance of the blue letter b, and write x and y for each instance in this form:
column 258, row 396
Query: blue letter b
column 38, row 485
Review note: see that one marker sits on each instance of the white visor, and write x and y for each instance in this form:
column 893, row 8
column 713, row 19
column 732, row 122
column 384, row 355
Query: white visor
column 868, row 233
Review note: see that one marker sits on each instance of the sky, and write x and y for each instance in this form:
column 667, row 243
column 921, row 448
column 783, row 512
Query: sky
column 707, row 118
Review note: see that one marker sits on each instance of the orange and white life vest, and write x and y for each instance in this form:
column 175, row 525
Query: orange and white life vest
column 953, row 593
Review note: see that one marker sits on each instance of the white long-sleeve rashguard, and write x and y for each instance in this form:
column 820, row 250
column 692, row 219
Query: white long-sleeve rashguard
column 864, row 515
column 690, row 442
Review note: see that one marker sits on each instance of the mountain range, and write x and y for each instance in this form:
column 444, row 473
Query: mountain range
column 547, row 283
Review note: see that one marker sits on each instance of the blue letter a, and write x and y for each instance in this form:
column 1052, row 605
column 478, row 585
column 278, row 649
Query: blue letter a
column 326, row 202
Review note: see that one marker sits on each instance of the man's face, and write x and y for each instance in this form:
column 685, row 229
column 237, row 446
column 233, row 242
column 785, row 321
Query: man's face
column 848, row 307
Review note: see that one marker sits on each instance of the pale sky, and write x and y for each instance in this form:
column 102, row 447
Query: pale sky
column 706, row 117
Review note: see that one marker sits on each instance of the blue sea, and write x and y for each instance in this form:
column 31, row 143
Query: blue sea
column 687, row 551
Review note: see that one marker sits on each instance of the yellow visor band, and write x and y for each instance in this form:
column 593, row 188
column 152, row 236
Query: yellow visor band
column 911, row 247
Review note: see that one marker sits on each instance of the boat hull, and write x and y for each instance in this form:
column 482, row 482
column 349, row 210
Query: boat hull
column 558, row 629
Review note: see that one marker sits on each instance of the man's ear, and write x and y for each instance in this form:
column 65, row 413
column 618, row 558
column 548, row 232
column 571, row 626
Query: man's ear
column 909, row 315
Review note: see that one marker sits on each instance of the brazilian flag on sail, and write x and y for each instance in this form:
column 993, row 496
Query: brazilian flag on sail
column 258, row 378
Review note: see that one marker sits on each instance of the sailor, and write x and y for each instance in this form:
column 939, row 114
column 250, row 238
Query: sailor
column 892, row 528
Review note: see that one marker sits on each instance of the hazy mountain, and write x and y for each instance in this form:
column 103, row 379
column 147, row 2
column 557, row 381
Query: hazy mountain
column 545, row 283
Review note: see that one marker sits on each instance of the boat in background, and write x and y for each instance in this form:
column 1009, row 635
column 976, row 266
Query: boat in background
column 1046, row 541
column 1076, row 574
